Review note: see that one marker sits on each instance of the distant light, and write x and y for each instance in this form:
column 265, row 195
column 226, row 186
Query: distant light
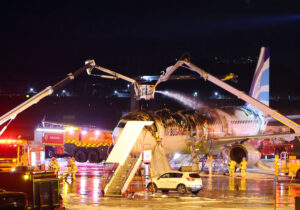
column 116, row 92
column 195, row 94
column 64, row 91
column 97, row 133
column 216, row 93
column 27, row 95
column 31, row 89
column 26, row 177
column 128, row 85
column 84, row 132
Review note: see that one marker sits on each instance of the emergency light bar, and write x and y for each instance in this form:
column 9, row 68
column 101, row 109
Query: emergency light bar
column 10, row 141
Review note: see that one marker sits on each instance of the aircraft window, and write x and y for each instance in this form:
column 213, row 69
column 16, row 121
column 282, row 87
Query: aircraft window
column 121, row 124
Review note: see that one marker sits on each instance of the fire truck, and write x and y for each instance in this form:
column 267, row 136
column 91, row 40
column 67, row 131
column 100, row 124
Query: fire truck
column 271, row 147
column 17, row 152
column 22, row 170
column 84, row 143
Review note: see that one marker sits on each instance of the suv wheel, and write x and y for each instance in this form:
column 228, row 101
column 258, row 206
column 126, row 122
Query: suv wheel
column 181, row 189
column 154, row 189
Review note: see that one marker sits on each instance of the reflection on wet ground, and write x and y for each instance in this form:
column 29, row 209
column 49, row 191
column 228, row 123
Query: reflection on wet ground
column 254, row 192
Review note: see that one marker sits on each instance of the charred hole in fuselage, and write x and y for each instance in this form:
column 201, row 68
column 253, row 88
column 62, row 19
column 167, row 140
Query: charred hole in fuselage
column 237, row 154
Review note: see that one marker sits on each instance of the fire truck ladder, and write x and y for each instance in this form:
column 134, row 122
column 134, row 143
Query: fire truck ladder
column 127, row 165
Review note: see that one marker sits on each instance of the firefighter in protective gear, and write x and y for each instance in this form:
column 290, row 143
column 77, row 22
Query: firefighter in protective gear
column 243, row 167
column 53, row 165
column 232, row 165
column 72, row 168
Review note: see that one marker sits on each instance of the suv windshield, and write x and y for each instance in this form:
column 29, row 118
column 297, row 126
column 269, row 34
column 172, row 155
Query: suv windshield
column 194, row 175
column 8, row 151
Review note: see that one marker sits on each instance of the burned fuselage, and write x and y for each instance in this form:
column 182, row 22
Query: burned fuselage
column 177, row 130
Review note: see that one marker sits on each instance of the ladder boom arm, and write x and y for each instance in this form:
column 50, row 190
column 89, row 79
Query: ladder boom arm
column 36, row 98
column 206, row 76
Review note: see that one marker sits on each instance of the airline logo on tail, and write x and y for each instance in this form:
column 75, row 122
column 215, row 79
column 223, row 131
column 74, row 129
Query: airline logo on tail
column 260, row 84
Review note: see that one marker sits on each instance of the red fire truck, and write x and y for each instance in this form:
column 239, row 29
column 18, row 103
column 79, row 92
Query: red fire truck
column 271, row 147
column 17, row 152
column 81, row 142
column 20, row 161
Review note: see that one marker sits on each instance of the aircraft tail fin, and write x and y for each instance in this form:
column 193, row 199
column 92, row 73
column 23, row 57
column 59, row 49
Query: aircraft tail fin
column 260, row 84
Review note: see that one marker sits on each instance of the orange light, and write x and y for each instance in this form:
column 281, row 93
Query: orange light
column 10, row 141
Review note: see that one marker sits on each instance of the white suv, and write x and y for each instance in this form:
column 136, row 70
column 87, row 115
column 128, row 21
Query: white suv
column 176, row 180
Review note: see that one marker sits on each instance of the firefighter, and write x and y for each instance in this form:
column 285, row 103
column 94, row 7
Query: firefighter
column 232, row 165
column 243, row 167
column 53, row 165
column 72, row 169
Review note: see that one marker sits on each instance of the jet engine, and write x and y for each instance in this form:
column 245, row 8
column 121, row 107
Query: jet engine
column 238, row 151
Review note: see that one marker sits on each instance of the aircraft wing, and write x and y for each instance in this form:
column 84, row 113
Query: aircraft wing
column 233, row 139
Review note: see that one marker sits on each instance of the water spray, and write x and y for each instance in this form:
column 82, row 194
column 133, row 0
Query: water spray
column 183, row 99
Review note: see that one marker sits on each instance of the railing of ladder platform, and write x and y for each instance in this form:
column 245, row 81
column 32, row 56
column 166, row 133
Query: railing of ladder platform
column 109, row 170
column 130, row 170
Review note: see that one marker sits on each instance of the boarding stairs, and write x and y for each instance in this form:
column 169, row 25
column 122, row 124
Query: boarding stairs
column 127, row 165
column 122, row 177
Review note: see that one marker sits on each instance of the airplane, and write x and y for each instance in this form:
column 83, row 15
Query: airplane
column 209, row 130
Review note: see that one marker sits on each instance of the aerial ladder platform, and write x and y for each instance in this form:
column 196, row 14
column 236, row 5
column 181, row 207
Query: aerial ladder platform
column 127, row 165
column 241, row 95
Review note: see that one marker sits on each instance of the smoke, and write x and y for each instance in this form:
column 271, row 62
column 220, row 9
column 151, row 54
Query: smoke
column 183, row 99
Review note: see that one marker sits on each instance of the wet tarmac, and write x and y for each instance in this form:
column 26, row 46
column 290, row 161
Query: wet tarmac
column 256, row 191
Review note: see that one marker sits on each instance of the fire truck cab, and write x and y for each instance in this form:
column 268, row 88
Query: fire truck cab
column 16, row 152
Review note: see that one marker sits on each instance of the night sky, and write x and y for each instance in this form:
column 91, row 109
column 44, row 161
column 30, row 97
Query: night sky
column 42, row 41
column 42, row 37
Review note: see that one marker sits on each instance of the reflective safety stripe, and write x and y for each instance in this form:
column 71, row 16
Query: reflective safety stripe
column 79, row 144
